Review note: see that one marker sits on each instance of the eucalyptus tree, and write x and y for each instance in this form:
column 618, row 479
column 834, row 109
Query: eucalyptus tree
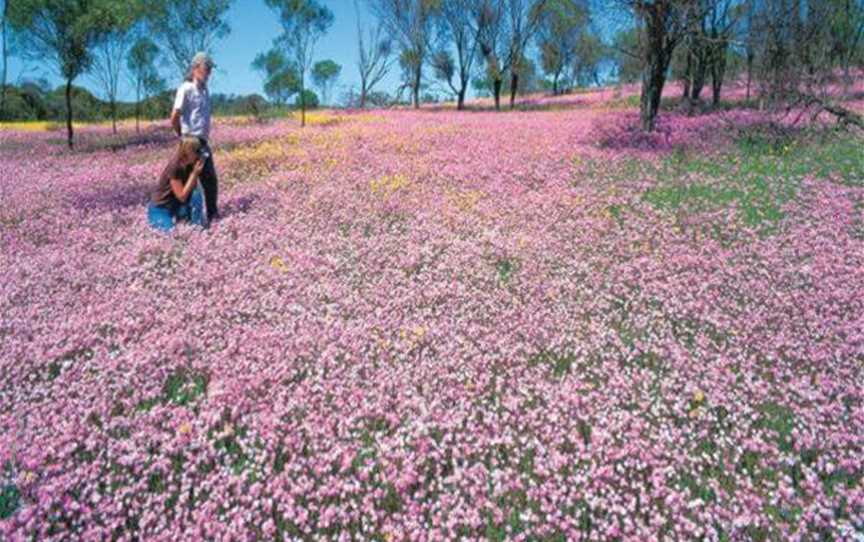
column 324, row 75
column 489, row 20
column 590, row 54
column 711, row 28
column 457, row 31
column 185, row 27
column 661, row 25
column 111, row 51
column 304, row 22
column 524, row 18
column 4, row 28
column 561, row 28
column 505, row 28
column 141, row 66
column 374, row 58
column 846, row 21
column 281, row 80
column 410, row 22
column 63, row 34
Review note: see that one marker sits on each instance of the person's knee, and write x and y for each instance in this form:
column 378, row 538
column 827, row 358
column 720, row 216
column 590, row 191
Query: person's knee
column 160, row 218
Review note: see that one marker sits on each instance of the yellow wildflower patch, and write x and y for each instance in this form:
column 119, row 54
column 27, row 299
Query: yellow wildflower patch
column 318, row 118
column 31, row 126
column 388, row 185
column 412, row 337
column 465, row 200
column 261, row 158
column 278, row 264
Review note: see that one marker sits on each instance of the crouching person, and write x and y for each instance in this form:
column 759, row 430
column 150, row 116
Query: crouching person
column 177, row 197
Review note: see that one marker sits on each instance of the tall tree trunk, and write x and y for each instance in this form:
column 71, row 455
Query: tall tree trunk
column 460, row 103
column 418, row 74
column 514, row 86
column 302, row 102
column 114, row 115
column 688, row 69
column 69, row 112
column 718, row 72
column 555, row 84
column 138, row 107
column 658, row 52
column 750, row 58
column 496, row 91
column 5, row 60
column 700, row 73
column 362, row 94
column 847, row 80
column 652, row 89
column 716, row 89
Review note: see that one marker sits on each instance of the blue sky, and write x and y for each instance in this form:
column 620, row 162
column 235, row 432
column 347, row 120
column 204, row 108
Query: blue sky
column 253, row 27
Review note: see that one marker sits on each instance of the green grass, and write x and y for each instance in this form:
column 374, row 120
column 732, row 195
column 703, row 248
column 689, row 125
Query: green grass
column 758, row 176
column 10, row 498
column 560, row 364
column 506, row 267
column 183, row 387
column 779, row 420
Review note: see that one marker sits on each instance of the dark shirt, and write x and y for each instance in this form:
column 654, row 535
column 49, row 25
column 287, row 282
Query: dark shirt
column 163, row 195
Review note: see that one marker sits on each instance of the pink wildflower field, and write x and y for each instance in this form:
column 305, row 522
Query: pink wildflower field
column 438, row 325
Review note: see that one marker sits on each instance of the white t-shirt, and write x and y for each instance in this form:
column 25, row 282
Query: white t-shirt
column 193, row 102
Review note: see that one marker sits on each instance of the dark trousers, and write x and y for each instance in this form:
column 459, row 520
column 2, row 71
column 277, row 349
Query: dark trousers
column 210, row 184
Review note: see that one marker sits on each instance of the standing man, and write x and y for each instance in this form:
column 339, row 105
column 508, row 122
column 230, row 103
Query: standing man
column 190, row 118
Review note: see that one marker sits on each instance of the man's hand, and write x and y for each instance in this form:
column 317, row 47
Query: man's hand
column 198, row 167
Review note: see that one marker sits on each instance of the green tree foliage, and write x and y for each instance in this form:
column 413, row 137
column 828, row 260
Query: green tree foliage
column 460, row 35
column 307, row 99
column 141, row 64
column 185, row 27
column 63, row 33
column 505, row 30
column 530, row 81
column 111, row 51
column 374, row 57
column 4, row 28
column 591, row 52
column 304, row 22
column 410, row 23
column 846, row 35
column 561, row 26
column 324, row 75
column 281, row 80
column 626, row 54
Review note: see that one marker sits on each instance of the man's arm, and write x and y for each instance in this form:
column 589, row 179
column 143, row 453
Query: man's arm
column 175, row 121
column 179, row 103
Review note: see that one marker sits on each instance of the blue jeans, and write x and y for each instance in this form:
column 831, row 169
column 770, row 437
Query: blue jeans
column 163, row 217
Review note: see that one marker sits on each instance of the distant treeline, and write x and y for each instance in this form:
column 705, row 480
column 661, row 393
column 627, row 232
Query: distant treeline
column 37, row 101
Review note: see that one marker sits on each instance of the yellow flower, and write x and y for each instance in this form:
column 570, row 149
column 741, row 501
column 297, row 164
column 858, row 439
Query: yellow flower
column 698, row 397
column 388, row 185
column 278, row 264
column 185, row 428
